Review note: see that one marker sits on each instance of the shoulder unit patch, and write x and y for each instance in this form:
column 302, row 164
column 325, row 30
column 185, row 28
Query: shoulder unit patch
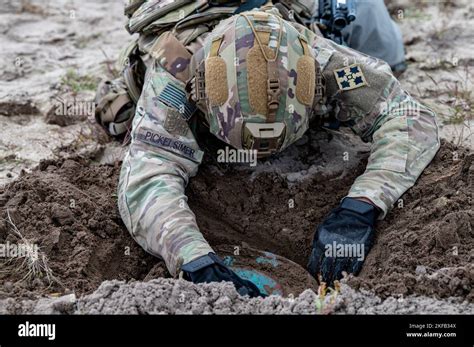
column 350, row 77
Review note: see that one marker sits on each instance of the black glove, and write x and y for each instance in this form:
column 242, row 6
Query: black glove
column 343, row 240
column 210, row 268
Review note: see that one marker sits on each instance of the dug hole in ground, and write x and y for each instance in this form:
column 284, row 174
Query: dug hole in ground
column 59, row 178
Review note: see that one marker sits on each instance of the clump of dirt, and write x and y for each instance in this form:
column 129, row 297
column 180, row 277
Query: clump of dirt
column 11, row 109
column 421, row 248
column 61, row 119
column 68, row 208
column 170, row 296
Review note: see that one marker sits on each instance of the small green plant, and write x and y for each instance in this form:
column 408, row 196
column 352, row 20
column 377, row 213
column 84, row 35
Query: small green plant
column 79, row 83
column 322, row 300
column 416, row 13
column 83, row 41
column 458, row 116
column 462, row 98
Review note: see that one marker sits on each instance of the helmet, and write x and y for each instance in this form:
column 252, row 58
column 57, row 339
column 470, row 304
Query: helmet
column 255, row 81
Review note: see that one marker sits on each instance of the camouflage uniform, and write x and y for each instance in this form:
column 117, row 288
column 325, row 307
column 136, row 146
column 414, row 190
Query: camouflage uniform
column 361, row 93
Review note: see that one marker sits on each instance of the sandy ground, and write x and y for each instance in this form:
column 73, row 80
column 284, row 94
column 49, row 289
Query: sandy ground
column 55, row 53
column 44, row 42
column 439, row 44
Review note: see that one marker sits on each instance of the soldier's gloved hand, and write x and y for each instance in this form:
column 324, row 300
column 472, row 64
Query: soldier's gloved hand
column 210, row 268
column 343, row 240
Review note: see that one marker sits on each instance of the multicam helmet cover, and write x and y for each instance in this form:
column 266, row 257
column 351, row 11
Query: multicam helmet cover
column 256, row 82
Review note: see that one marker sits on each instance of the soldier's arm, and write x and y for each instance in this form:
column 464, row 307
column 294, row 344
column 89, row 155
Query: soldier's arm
column 364, row 94
column 162, row 156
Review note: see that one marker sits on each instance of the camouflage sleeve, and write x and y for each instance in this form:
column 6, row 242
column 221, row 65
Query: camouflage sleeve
column 363, row 94
column 163, row 154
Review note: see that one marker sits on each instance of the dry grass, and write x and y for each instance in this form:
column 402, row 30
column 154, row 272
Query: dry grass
column 32, row 263
column 462, row 97
column 77, row 83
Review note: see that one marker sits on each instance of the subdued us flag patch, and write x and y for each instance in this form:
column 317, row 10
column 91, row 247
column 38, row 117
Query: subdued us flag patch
column 350, row 77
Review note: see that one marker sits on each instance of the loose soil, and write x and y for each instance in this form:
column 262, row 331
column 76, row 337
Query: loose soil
column 68, row 207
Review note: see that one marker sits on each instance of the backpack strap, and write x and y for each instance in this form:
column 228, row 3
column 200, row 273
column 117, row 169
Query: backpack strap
column 114, row 109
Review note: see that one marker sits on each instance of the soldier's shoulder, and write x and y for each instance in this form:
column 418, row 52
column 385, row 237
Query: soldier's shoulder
column 359, row 84
column 348, row 71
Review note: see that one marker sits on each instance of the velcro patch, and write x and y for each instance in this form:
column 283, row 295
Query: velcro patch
column 175, row 97
column 322, row 56
column 172, row 55
column 306, row 80
column 216, row 81
column 350, row 77
column 175, row 123
column 155, row 139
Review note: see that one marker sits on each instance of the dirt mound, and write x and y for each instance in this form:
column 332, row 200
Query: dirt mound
column 426, row 246
column 69, row 209
column 170, row 296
